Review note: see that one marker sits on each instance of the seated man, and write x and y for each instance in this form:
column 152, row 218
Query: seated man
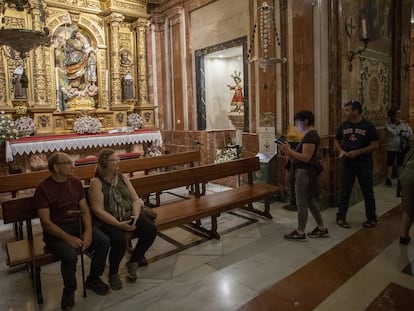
column 55, row 198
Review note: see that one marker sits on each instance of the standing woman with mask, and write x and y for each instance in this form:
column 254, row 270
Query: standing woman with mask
column 306, row 169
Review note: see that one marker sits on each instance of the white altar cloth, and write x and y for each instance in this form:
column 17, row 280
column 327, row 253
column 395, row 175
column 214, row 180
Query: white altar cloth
column 39, row 144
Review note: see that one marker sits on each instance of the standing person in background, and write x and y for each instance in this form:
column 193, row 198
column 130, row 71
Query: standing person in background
column 407, row 201
column 355, row 141
column 399, row 133
column 306, row 169
column 118, row 208
column 55, row 198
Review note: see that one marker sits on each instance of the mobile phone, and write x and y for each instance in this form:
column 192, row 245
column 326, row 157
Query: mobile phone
column 133, row 221
column 280, row 140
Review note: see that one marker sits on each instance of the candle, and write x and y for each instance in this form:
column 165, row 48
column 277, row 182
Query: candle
column 57, row 78
column 107, row 81
column 364, row 29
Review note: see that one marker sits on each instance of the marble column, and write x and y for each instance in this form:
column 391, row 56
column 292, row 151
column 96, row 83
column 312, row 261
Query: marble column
column 140, row 27
column 114, row 20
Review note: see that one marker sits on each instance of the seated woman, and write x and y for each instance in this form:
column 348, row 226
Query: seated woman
column 118, row 208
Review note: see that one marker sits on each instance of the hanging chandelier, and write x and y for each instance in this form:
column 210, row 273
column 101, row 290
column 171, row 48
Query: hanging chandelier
column 19, row 39
column 266, row 19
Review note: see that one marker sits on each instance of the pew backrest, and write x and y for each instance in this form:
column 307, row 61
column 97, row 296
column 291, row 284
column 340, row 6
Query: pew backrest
column 195, row 175
column 15, row 182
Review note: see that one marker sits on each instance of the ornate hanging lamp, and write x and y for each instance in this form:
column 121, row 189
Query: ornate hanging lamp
column 20, row 39
column 266, row 18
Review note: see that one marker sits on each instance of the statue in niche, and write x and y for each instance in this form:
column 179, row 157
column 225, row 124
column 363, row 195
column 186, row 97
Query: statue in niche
column 20, row 82
column 238, row 99
column 91, row 72
column 128, row 86
column 75, row 60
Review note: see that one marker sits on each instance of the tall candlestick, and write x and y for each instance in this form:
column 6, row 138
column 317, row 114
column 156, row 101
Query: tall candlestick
column 364, row 29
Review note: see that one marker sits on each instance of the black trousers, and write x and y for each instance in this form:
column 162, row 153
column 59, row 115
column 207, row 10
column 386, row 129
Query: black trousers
column 146, row 232
column 69, row 256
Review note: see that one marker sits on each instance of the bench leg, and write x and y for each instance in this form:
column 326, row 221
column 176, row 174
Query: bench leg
column 37, row 284
column 265, row 213
column 212, row 233
column 18, row 230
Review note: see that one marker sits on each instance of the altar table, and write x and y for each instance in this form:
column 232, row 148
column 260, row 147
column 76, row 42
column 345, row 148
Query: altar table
column 38, row 144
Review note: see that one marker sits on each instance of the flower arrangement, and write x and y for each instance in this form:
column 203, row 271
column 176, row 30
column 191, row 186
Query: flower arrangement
column 7, row 130
column 87, row 125
column 135, row 120
column 25, row 126
column 228, row 153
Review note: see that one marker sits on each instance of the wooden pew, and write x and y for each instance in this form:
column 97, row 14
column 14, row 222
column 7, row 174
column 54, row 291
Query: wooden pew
column 200, row 206
column 23, row 181
column 32, row 251
column 15, row 182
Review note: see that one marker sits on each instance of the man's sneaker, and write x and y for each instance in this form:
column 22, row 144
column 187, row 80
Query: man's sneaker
column 388, row 182
column 295, row 236
column 318, row 233
column 132, row 268
column 68, row 301
column 404, row 240
column 370, row 224
column 342, row 223
column 114, row 281
column 96, row 284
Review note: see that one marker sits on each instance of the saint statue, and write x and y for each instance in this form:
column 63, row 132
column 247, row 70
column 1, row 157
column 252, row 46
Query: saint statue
column 128, row 85
column 19, row 82
column 238, row 98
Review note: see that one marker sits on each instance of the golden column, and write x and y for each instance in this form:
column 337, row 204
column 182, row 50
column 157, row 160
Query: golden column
column 114, row 20
column 39, row 73
column 3, row 96
column 140, row 27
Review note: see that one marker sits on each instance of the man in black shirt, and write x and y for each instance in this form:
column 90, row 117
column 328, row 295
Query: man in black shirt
column 355, row 141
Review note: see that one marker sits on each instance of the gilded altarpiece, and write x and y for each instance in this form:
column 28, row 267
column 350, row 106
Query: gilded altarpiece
column 95, row 65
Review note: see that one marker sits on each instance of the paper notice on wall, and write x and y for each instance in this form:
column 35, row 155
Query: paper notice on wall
column 266, row 141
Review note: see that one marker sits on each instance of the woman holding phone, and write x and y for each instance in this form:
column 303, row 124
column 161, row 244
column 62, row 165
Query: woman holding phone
column 118, row 208
column 305, row 169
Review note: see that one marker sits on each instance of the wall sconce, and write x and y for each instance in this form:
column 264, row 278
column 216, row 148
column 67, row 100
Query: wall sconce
column 266, row 18
column 364, row 39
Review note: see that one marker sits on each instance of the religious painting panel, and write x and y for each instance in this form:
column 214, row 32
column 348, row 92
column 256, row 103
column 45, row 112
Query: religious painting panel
column 374, row 89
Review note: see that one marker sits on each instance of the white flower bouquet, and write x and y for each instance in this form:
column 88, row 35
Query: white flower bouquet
column 25, row 126
column 87, row 125
column 135, row 120
column 226, row 154
column 7, row 130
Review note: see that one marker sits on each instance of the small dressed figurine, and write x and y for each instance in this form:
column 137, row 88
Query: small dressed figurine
column 19, row 82
column 128, row 86
column 238, row 99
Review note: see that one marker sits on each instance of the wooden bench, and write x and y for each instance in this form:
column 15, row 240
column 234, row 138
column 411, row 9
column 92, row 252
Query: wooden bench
column 94, row 160
column 200, row 206
column 30, row 250
column 23, row 181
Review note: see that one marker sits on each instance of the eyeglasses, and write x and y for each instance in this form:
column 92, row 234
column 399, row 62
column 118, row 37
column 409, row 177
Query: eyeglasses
column 65, row 163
